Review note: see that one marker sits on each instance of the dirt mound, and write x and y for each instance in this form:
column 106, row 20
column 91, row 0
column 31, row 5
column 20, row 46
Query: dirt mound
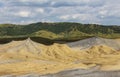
column 25, row 49
column 58, row 52
column 28, row 55
column 105, row 56
column 22, row 57
column 4, row 47
column 87, row 43
column 101, row 49
column 29, row 49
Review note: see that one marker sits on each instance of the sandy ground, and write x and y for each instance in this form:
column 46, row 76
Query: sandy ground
column 118, row 39
column 26, row 57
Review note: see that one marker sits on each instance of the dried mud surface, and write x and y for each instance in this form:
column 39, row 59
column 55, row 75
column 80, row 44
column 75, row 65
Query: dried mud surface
column 93, row 57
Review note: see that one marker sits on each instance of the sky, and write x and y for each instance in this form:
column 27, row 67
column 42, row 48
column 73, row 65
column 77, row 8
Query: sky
column 82, row 11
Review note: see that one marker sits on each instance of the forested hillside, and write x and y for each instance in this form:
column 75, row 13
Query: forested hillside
column 62, row 30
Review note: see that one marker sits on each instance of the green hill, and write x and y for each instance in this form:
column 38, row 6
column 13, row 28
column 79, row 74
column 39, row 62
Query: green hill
column 62, row 30
column 45, row 34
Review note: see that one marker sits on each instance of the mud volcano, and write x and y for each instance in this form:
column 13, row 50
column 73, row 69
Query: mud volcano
column 92, row 57
column 87, row 43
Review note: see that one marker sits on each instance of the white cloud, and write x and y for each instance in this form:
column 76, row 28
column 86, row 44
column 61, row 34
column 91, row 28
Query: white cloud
column 103, row 12
column 65, row 17
column 40, row 10
column 83, row 17
column 23, row 14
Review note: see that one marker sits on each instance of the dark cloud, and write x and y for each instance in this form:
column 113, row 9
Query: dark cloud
column 53, row 4
column 29, row 4
column 74, row 4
